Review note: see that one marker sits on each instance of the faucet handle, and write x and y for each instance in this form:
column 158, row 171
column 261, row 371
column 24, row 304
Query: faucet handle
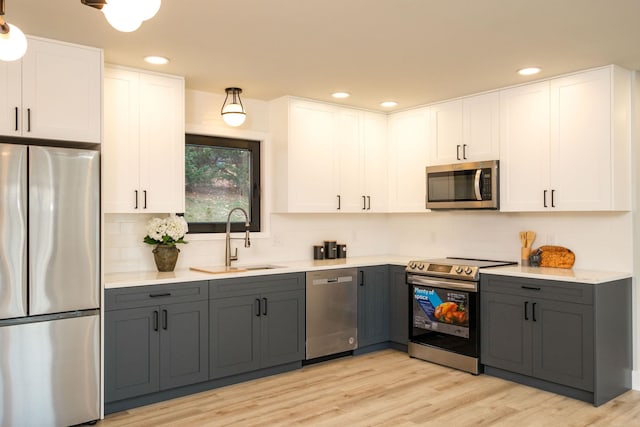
column 247, row 241
column 234, row 257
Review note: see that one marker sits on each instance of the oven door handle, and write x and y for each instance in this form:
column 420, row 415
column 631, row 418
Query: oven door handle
column 443, row 283
column 476, row 184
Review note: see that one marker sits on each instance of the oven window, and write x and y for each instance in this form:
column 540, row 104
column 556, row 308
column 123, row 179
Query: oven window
column 452, row 186
column 441, row 310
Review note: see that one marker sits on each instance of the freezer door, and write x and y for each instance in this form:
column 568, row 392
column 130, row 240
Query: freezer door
column 49, row 372
column 63, row 229
column 13, row 231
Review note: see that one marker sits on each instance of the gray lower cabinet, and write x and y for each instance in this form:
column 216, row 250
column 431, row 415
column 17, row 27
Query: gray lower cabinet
column 373, row 305
column 570, row 338
column 256, row 323
column 156, row 338
column 398, row 305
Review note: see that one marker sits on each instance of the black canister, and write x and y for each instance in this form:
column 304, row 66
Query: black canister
column 330, row 249
column 318, row 252
column 342, row 251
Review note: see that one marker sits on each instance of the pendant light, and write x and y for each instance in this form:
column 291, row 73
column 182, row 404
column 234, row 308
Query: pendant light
column 233, row 112
column 126, row 15
column 13, row 43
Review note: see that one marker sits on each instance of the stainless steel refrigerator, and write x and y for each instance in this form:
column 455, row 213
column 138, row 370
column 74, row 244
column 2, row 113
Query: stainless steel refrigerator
column 49, row 286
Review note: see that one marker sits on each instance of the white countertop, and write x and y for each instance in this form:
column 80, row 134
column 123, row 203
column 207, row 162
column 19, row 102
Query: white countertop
column 592, row 277
column 142, row 278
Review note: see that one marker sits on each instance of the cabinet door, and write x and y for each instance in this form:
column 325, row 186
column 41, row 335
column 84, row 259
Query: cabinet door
column 184, row 344
column 446, row 132
column 62, row 92
column 524, row 148
column 350, row 162
column 408, row 157
column 120, row 151
column 563, row 343
column 10, row 98
column 313, row 172
column 375, row 161
column 581, row 141
column 398, row 305
column 481, row 127
column 373, row 305
column 282, row 328
column 131, row 345
column 505, row 333
column 234, row 335
column 161, row 143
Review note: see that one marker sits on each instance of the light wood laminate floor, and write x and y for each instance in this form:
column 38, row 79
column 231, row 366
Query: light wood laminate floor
column 385, row 388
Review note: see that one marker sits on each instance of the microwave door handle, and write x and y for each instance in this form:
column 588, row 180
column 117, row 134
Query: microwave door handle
column 476, row 184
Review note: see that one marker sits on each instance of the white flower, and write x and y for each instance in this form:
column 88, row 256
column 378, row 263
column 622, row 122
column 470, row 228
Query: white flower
column 169, row 230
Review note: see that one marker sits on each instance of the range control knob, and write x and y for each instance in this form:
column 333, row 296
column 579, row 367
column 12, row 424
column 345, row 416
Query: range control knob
column 412, row 265
column 421, row 266
column 458, row 269
column 468, row 270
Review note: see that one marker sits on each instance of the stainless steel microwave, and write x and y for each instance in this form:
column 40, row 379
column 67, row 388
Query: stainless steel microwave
column 473, row 185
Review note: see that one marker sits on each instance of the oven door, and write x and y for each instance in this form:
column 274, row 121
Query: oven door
column 444, row 314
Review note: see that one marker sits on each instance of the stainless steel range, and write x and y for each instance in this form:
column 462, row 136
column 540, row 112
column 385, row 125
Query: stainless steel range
column 444, row 308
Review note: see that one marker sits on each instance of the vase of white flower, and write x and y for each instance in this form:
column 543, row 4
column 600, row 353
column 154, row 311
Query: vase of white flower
column 165, row 233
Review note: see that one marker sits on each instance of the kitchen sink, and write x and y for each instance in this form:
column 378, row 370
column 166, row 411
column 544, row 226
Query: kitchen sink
column 220, row 269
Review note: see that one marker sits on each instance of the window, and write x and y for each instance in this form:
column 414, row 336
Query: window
column 221, row 174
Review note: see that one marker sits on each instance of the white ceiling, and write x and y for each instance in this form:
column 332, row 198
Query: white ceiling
column 410, row 51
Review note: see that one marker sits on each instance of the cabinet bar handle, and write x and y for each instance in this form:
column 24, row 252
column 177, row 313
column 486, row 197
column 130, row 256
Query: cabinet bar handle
column 165, row 319
column 364, row 203
column 164, row 294
column 553, row 203
column 458, row 152
column 145, row 199
column 16, row 109
column 257, row 307
column 155, row 320
column 544, row 198
column 464, row 151
column 368, row 203
column 526, row 304
column 264, row 309
column 531, row 288
column 533, row 311
column 28, row 119
column 136, row 193
column 361, row 273
column 338, row 196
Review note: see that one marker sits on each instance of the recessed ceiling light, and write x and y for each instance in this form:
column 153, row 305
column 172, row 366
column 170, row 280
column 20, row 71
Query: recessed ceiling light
column 156, row 60
column 388, row 104
column 341, row 95
column 528, row 71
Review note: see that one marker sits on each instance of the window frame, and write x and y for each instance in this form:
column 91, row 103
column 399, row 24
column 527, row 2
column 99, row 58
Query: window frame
column 255, row 216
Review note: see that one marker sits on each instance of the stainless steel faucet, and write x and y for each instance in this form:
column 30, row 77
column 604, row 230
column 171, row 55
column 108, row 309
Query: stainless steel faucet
column 247, row 243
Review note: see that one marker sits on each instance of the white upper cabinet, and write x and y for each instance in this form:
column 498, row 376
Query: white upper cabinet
column 143, row 148
column 465, row 130
column 576, row 157
column 54, row 92
column 408, row 153
column 328, row 158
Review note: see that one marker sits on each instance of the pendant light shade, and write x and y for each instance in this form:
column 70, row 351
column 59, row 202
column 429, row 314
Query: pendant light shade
column 233, row 112
column 126, row 15
column 13, row 43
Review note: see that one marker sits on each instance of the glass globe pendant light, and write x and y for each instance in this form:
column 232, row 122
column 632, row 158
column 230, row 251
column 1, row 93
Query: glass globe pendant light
column 233, row 112
column 126, row 15
column 13, row 42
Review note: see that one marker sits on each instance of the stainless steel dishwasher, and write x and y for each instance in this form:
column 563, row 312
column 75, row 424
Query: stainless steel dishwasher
column 332, row 312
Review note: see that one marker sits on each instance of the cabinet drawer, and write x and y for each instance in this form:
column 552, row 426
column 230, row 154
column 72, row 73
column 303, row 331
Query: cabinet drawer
column 579, row 293
column 144, row 296
column 257, row 284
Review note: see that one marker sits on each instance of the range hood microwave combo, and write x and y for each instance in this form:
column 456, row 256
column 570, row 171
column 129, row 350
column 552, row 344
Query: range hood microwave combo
column 473, row 185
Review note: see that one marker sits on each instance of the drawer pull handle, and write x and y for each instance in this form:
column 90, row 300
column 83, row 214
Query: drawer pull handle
column 531, row 288
column 166, row 294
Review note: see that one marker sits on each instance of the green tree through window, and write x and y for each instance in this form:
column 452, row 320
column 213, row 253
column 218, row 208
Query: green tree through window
column 221, row 174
